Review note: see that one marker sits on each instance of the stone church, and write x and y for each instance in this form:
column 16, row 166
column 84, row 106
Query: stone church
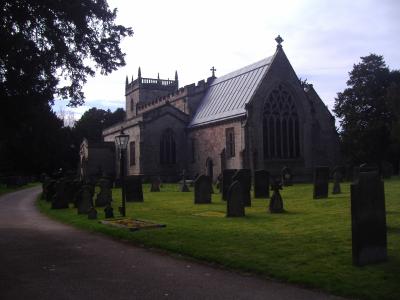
column 257, row 117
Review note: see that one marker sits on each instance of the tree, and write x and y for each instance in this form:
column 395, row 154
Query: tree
column 48, row 50
column 365, row 111
column 93, row 121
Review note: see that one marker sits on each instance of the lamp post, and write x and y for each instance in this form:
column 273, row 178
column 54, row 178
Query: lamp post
column 121, row 141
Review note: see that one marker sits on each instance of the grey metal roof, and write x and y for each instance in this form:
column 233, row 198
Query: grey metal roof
column 227, row 96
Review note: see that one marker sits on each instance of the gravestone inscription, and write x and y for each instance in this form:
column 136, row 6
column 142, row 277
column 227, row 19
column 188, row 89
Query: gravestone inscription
column 368, row 219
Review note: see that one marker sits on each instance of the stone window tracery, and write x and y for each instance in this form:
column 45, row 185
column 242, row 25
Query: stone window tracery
column 281, row 132
column 167, row 147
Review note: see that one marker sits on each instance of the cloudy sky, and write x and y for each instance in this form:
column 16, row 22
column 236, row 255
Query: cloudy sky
column 322, row 39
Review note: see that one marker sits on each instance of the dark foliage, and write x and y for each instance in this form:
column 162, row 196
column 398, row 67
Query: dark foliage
column 48, row 48
column 93, row 121
column 366, row 112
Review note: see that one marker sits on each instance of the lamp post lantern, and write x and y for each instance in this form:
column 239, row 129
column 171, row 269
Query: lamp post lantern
column 121, row 142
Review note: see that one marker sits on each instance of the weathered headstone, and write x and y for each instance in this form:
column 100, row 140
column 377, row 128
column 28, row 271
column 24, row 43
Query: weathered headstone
column 287, row 177
column 368, row 219
column 276, row 202
column 109, row 211
column 50, row 189
column 104, row 197
column 133, row 188
column 92, row 214
column 184, row 187
column 69, row 190
column 261, row 184
column 202, row 189
column 244, row 177
column 77, row 186
column 235, row 201
column 60, row 200
column 321, row 182
column 337, row 178
column 155, row 184
column 84, row 199
column 226, row 182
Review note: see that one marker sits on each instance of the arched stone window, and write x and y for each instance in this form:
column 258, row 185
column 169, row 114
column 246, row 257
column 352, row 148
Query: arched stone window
column 167, row 147
column 132, row 105
column 281, row 132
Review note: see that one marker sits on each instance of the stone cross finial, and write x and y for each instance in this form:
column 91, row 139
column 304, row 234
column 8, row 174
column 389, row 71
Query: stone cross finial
column 213, row 69
column 279, row 40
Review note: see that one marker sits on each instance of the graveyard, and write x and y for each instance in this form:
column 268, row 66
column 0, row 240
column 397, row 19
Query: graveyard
column 308, row 244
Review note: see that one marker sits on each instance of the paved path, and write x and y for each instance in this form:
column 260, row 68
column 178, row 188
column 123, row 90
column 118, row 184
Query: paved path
column 43, row 259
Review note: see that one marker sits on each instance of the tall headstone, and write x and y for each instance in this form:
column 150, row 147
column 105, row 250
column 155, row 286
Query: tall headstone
column 104, row 197
column 155, row 184
column 60, row 199
column 85, row 199
column 321, row 182
column 244, row 177
column 202, row 189
column 368, row 219
column 287, row 176
column 261, row 184
column 276, row 202
column 227, row 181
column 133, row 188
column 235, row 201
column 109, row 211
column 50, row 189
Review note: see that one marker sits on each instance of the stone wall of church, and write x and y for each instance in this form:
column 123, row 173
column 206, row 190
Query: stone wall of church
column 209, row 142
column 150, row 148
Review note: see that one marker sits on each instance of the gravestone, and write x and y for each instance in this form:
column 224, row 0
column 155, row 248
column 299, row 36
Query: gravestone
column 368, row 219
column 60, row 200
column 109, row 211
column 365, row 167
column 133, row 188
column 287, row 177
column 85, row 199
column 155, row 184
column 184, row 187
column 261, row 184
column 226, row 182
column 92, row 214
column 69, row 190
column 50, row 189
column 276, row 202
column 104, row 197
column 244, row 177
column 337, row 178
column 235, row 201
column 321, row 182
column 202, row 189
column 77, row 185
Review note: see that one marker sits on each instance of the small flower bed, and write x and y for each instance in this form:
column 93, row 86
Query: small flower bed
column 131, row 224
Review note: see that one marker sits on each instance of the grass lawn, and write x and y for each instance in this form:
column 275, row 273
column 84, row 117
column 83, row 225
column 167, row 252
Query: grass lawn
column 309, row 245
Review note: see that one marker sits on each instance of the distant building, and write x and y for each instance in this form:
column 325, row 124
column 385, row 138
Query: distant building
column 257, row 117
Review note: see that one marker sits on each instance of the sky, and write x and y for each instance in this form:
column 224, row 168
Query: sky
column 322, row 40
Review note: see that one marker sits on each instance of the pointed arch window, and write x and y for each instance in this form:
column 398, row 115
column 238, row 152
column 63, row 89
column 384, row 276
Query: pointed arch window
column 281, row 132
column 167, row 147
column 132, row 105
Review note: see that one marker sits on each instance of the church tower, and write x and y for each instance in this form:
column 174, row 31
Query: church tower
column 142, row 90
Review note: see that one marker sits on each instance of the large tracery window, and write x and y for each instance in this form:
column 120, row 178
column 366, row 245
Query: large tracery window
column 167, row 147
column 281, row 133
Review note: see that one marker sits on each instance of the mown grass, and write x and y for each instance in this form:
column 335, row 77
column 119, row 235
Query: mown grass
column 309, row 244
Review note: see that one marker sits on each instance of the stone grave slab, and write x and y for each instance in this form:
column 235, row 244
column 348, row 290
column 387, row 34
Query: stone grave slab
column 261, row 184
column 133, row 188
column 235, row 202
column 321, row 182
column 202, row 189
